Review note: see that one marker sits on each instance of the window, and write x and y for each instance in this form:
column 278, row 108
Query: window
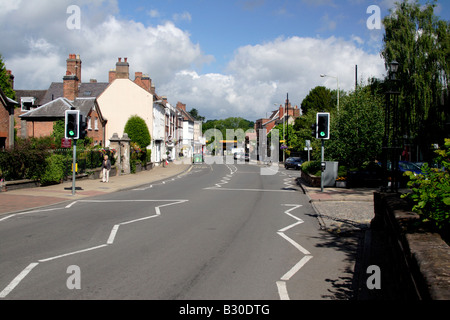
column 27, row 103
column 89, row 123
column 96, row 124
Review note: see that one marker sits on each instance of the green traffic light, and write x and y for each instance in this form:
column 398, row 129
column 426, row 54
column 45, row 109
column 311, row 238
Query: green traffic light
column 322, row 134
column 71, row 133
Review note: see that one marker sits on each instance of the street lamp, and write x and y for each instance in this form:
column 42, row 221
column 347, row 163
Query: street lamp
column 393, row 69
column 338, row 90
column 391, row 127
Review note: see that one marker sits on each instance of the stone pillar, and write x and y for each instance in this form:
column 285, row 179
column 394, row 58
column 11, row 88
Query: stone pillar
column 125, row 153
column 115, row 144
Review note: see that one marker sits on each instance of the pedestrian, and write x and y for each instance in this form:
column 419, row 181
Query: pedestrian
column 106, row 167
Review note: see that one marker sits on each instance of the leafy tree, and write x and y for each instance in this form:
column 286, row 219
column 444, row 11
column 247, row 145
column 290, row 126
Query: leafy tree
column 5, row 83
column 137, row 131
column 420, row 43
column 196, row 116
column 318, row 99
column 357, row 130
column 229, row 123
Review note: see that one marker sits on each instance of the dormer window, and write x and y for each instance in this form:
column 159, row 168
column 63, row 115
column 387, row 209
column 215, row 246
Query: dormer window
column 27, row 103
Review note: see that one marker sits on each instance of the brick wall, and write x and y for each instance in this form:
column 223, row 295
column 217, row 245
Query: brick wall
column 96, row 133
column 39, row 129
column 4, row 124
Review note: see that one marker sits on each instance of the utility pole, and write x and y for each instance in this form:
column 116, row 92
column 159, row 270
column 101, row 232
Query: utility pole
column 287, row 127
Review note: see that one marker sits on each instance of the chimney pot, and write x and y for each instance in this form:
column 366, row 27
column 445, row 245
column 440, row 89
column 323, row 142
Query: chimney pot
column 120, row 59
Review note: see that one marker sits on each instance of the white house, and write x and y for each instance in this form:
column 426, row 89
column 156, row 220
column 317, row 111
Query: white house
column 124, row 98
column 188, row 131
column 158, row 137
column 121, row 100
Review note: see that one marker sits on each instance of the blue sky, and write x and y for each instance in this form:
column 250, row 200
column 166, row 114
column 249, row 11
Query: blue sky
column 224, row 58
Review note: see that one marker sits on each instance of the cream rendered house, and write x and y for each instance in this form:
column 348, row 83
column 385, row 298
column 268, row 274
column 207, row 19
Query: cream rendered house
column 122, row 99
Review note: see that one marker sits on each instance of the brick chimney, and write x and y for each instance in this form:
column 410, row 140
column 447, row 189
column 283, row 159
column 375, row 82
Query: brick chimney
column 72, row 79
column 143, row 81
column 122, row 69
column 281, row 112
column 70, row 87
column 181, row 106
column 74, row 65
column 112, row 75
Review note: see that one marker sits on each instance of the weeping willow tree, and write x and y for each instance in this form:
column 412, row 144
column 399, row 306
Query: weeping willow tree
column 420, row 42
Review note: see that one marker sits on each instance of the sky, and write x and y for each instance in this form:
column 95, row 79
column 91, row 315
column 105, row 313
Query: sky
column 225, row 58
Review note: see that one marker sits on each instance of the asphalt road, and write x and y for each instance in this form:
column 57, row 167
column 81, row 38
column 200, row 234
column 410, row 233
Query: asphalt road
column 217, row 232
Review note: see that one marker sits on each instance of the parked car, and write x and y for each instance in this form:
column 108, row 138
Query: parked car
column 405, row 166
column 294, row 163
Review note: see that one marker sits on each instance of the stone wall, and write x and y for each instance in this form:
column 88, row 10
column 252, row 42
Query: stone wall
column 419, row 261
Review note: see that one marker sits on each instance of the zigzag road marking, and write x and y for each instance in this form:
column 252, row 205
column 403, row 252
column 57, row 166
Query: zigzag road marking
column 13, row 284
column 281, row 285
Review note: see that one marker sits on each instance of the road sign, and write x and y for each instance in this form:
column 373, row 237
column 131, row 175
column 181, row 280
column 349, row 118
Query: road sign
column 66, row 143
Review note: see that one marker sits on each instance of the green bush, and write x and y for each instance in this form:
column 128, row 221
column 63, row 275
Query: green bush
column 138, row 132
column 430, row 191
column 312, row 167
column 55, row 170
column 25, row 161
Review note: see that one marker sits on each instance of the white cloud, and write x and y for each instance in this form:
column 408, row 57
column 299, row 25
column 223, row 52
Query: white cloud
column 37, row 33
column 261, row 75
column 185, row 16
column 36, row 44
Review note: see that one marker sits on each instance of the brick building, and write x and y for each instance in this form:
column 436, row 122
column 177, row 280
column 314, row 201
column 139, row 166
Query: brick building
column 7, row 106
column 41, row 108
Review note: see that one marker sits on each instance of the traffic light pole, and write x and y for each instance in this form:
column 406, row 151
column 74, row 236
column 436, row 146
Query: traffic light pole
column 74, row 165
column 323, row 161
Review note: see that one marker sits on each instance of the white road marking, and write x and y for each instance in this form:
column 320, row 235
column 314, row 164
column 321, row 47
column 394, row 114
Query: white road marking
column 110, row 240
column 296, row 268
column 17, row 280
column 282, row 289
column 295, row 244
column 254, row 190
column 28, row 212
column 73, row 253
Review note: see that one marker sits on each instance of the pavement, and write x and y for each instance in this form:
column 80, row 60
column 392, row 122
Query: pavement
column 20, row 200
column 342, row 210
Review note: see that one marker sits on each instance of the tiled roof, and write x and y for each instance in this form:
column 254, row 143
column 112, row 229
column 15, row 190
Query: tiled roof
column 58, row 107
column 38, row 94
column 87, row 90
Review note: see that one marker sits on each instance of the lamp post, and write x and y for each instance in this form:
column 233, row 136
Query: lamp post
column 338, row 89
column 284, row 151
column 391, row 127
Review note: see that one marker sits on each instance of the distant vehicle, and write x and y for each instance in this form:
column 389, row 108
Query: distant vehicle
column 238, row 155
column 294, row 163
column 405, row 166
